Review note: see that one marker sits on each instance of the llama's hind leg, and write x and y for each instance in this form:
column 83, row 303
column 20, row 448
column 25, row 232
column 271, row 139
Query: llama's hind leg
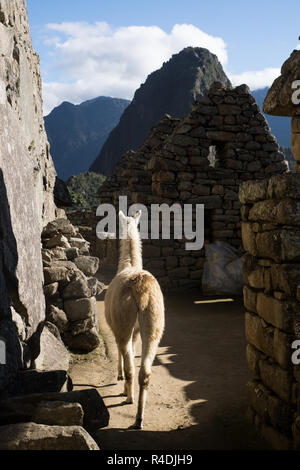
column 120, row 365
column 135, row 336
column 129, row 372
column 149, row 349
column 144, row 380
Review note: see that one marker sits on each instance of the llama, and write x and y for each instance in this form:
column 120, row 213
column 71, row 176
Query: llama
column 134, row 305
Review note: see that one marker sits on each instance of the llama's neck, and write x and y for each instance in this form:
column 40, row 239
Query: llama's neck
column 131, row 252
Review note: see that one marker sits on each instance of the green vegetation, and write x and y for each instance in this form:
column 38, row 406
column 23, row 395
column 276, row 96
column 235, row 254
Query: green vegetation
column 83, row 189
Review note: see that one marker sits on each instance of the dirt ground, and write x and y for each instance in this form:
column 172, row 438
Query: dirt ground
column 196, row 398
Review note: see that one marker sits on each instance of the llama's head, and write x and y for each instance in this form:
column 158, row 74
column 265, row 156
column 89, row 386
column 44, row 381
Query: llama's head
column 129, row 225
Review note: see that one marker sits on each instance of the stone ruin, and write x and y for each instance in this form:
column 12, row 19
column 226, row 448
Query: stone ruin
column 200, row 159
column 271, row 238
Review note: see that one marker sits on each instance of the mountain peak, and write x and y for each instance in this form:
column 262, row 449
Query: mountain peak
column 172, row 89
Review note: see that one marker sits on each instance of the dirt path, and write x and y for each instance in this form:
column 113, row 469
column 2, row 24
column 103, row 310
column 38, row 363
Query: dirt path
column 196, row 398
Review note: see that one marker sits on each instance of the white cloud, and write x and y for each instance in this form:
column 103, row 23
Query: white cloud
column 255, row 79
column 95, row 59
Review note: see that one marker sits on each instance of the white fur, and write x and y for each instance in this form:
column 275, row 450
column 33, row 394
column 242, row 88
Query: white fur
column 134, row 303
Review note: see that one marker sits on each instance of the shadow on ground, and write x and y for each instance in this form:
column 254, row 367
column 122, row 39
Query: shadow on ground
column 198, row 394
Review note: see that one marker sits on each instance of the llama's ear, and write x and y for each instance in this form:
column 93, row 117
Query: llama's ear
column 137, row 217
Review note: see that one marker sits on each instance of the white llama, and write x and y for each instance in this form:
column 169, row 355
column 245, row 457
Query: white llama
column 134, row 304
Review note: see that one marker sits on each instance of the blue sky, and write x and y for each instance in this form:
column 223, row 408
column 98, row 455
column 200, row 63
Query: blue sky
column 95, row 47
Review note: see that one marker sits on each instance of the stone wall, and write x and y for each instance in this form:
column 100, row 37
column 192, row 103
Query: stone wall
column 176, row 165
column 27, row 181
column 271, row 237
column 70, row 286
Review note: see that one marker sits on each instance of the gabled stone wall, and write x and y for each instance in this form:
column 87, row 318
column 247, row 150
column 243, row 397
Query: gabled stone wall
column 174, row 166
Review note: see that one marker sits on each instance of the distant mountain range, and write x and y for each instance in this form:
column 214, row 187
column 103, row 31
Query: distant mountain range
column 77, row 132
column 172, row 89
column 95, row 134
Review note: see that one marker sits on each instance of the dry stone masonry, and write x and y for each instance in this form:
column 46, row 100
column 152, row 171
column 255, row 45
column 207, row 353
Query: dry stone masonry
column 271, row 238
column 70, row 286
column 201, row 159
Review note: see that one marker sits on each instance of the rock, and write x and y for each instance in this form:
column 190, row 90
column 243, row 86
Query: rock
column 95, row 413
column 278, row 101
column 59, row 226
column 276, row 379
column 96, row 286
column 77, row 288
column 273, row 311
column 42, row 412
column 59, row 253
column 46, row 256
column 252, row 191
column 284, row 186
column 33, row 381
column 53, row 355
column 259, row 335
column 58, row 413
column 87, row 264
column 20, row 242
column 32, row 436
column 80, row 309
column 51, row 289
column 72, row 253
column 85, row 342
column 58, row 318
column 62, row 196
column 82, row 326
column 79, row 243
column 53, row 329
column 56, row 274
column 57, row 240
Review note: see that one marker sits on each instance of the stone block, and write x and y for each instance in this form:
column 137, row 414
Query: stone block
column 95, row 413
column 282, row 348
column 57, row 317
column 56, row 274
column 258, row 334
column 276, row 379
column 253, row 357
column 84, row 342
column 284, row 186
column 53, row 354
column 253, row 191
column 275, row 312
column 80, row 309
column 89, row 265
column 77, row 288
column 250, row 298
column 32, row 436
column 249, row 239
